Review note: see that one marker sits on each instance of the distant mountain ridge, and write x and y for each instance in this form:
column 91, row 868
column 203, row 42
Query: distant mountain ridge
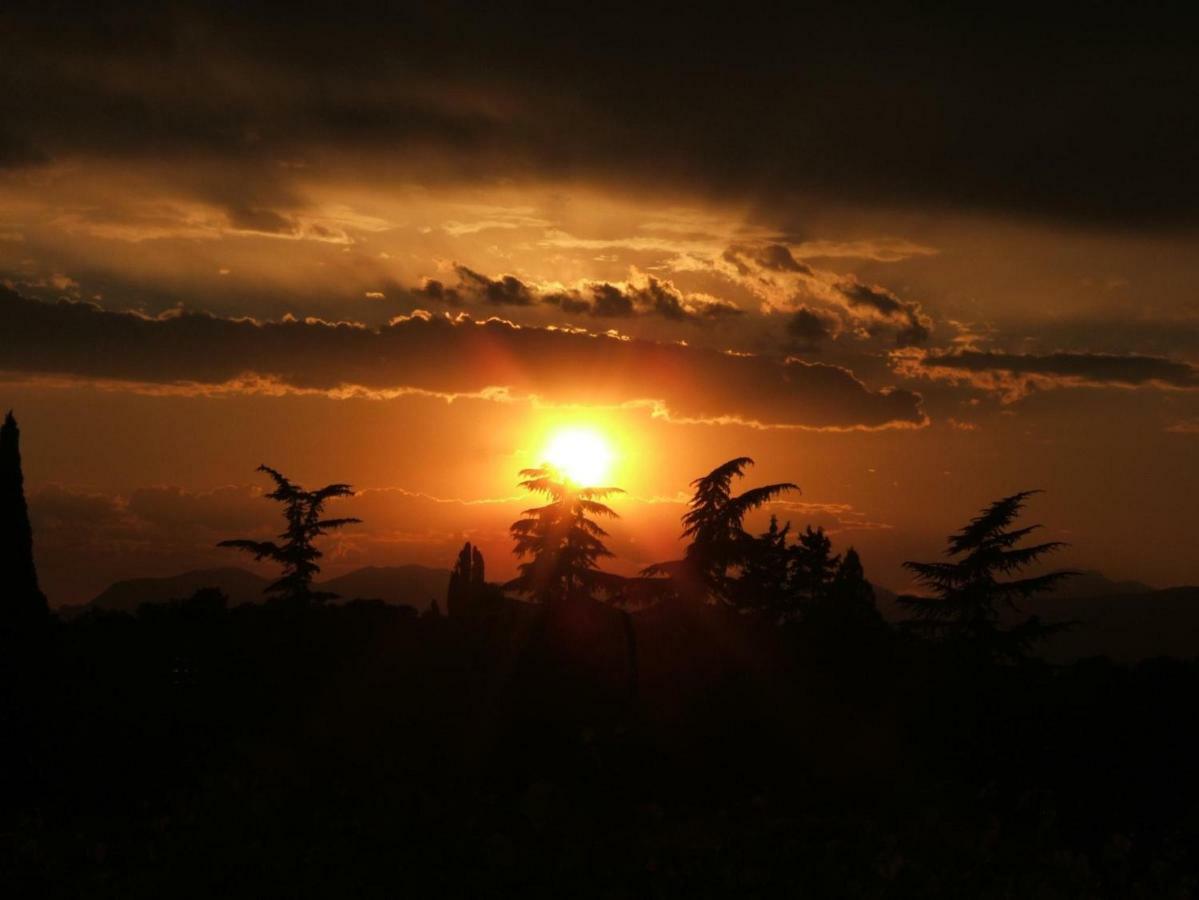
column 1125, row 627
column 413, row 584
column 1124, row 620
column 1090, row 583
column 240, row 585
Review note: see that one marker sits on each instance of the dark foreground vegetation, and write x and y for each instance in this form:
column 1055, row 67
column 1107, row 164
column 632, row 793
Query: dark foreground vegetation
column 737, row 723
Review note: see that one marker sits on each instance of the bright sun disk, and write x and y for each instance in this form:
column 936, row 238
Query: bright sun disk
column 582, row 455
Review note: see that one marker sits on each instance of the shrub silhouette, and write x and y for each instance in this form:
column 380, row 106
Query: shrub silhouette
column 297, row 552
column 967, row 593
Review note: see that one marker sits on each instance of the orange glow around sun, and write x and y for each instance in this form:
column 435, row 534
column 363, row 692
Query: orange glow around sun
column 582, row 454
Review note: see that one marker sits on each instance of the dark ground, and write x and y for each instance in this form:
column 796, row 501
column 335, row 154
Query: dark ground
column 361, row 750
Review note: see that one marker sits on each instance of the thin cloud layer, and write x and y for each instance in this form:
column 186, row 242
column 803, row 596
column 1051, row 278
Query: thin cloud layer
column 444, row 356
column 1014, row 376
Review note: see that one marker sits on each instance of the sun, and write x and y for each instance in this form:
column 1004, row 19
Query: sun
column 581, row 454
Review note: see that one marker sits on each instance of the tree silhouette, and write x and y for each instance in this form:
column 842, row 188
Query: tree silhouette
column 850, row 586
column 23, row 601
column 766, row 582
column 715, row 525
column 297, row 553
column 804, row 579
column 562, row 540
column 564, row 544
column 967, row 593
column 815, row 566
column 847, row 598
column 466, row 579
column 469, row 594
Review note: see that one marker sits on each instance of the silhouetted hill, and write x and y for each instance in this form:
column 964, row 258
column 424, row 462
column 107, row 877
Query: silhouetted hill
column 884, row 599
column 412, row 584
column 1081, row 586
column 1126, row 627
column 1126, row 620
column 126, row 596
column 1095, row 584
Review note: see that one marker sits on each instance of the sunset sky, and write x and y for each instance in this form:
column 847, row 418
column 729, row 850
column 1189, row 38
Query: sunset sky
column 911, row 264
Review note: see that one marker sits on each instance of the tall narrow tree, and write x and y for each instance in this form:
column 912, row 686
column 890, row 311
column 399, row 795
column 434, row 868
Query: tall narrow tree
column 967, row 595
column 468, row 589
column 23, row 600
column 296, row 550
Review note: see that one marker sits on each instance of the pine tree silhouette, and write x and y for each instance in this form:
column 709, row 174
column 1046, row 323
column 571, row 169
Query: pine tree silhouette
column 803, row 580
column 815, row 566
column 715, row 525
column 297, row 553
column 562, row 540
column 23, row 601
column 967, row 593
column 766, row 581
column 564, row 544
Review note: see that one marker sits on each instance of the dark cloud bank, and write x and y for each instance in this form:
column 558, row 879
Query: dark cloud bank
column 1083, row 115
column 442, row 355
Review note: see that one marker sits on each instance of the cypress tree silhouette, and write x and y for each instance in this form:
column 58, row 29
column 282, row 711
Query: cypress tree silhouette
column 23, row 601
column 967, row 595
column 719, row 541
column 468, row 590
column 297, row 553
column 562, row 539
